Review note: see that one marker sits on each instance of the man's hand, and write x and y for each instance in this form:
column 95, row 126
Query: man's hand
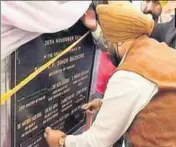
column 89, row 19
column 53, row 137
column 93, row 106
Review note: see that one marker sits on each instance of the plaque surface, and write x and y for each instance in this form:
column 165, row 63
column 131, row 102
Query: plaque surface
column 55, row 96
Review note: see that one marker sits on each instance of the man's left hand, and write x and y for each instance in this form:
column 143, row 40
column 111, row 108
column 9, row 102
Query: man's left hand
column 89, row 20
column 53, row 137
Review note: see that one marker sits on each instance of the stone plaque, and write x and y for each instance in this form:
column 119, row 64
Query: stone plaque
column 55, row 96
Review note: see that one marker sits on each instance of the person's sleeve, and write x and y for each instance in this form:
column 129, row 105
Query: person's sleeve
column 127, row 94
column 43, row 16
column 99, row 39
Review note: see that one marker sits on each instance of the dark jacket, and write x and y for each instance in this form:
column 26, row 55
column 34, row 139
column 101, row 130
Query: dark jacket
column 166, row 32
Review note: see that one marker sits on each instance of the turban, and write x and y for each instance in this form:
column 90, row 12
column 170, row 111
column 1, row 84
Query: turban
column 121, row 22
column 163, row 2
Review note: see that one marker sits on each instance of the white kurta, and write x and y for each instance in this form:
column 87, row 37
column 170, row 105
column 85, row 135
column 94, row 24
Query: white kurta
column 126, row 95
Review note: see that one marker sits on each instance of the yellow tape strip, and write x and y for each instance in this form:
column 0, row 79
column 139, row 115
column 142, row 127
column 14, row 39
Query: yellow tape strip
column 11, row 92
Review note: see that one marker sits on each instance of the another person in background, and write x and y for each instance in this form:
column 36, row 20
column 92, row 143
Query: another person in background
column 152, row 7
column 163, row 32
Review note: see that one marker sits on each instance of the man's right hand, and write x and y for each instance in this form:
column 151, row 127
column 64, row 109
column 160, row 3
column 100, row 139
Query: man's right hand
column 93, row 106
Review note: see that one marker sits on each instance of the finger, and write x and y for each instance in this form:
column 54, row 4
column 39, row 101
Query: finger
column 45, row 135
column 90, row 112
column 47, row 130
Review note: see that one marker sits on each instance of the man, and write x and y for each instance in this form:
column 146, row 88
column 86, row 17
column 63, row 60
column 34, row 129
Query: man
column 140, row 97
column 164, row 32
column 153, row 7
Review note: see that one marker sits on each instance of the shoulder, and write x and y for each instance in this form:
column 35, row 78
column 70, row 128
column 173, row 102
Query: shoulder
column 125, row 84
column 123, row 78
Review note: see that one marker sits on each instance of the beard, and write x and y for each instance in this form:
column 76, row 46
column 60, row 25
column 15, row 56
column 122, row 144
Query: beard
column 115, row 57
column 154, row 16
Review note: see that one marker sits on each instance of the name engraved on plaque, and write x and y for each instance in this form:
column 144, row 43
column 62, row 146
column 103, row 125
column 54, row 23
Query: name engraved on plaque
column 55, row 96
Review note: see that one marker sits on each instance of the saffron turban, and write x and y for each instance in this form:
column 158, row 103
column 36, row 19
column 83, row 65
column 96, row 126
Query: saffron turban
column 122, row 21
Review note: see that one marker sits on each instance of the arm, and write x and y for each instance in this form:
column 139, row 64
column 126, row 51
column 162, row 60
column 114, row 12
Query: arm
column 43, row 16
column 127, row 93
